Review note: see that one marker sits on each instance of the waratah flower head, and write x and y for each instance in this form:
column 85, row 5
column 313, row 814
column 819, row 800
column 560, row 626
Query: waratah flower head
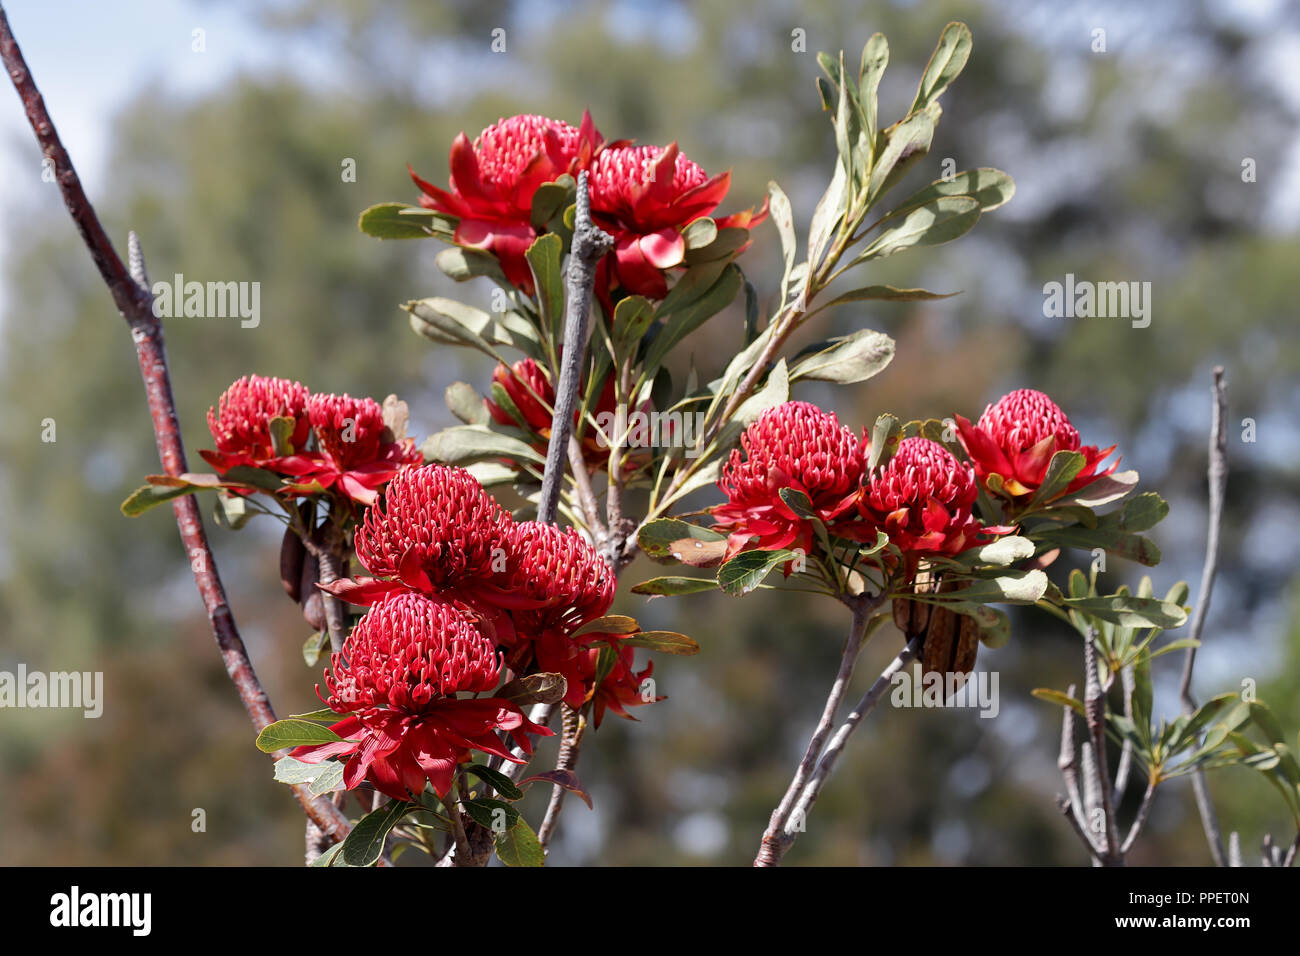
column 241, row 422
column 793, row 445
column 396, row 680
column 644, row 196
column 556, row 577
column 436, row 530
column 923, row 499
column 494, row 178
column 1016, row 438
column 357, row 451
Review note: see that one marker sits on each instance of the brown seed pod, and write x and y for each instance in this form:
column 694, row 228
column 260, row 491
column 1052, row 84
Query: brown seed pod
column 313, row 600
column 951, row 639
column 292, row 555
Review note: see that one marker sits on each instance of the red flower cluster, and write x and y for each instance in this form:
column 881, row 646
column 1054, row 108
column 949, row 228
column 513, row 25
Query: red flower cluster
column 529, row 586
column 922, row 499
column 397, row 679
column 355, row 453
column 494, row 178
column 794, row 445
column 1016, row 438
column 644, row 196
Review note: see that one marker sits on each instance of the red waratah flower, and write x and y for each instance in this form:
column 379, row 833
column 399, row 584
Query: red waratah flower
column 397, row 679
column 922, row 499
column 793, row 445
column 240, row 424
column 528, row 386
column 1016, row 438
column 494, row 178
column 436, row 531
column 357, row 451
column 644, row 196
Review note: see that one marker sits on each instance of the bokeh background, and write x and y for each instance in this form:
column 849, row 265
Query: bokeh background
column 1129, row 166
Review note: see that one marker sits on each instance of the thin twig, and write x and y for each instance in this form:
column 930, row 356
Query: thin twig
column 134, row 301
column 574, row 728
column 1094, row 708
column 1128, row 682
column 1068, row 762
column 769, row 852
column 590, row 244
column 1217, row 473
column 814, row 786
column 1140, row 820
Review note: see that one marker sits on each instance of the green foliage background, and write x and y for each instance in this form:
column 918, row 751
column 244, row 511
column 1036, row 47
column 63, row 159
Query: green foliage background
column 1129, row 168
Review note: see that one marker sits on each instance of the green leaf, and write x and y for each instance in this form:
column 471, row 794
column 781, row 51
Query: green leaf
column 657, row 538
column 449, row 322
column 461, row 264
column 826, row 219
column 1061, row 470
column 545, row 257
column 609, row 624
column 930, row 224
column 995, row 627
column 464, row 401
column 1013, row 587
column 1128, row 611
column 293, row 733
column 566, row 779
column 1140, row 513
column 632, row 318
column 782, row 216
column 1056, row 697
column 990, row 188
column 905, row 143
column 395, row 220
column 887, row 293
column 700, row 233
column 549, row 199
column 329, row 857
column 669, row 585
column 875, row 58
column 329, row 780
column 231, row 511
column 687, row 317
column 464, row 444
column 747, row 570
column 149, row 496
column 665, row 642
column 846, row 359
column 365, row 844
column 292, row 771
column 322, row 716
column 885, row 437
column 519, row 846
column 495, row 815
column 946, row 63
column 1002, row 552
column 1103, row 490
column 540, row 688
column 312, row 647
column 1120, row 543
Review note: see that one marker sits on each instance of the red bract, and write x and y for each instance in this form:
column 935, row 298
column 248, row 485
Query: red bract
column 644, row 196
column 397, row 679
column 794, row 445
column 1016, row 438
column 241, row 423
column 436, row 531
column 494, row 178
column 923, row 499
column 526, row 384
column 357, row 451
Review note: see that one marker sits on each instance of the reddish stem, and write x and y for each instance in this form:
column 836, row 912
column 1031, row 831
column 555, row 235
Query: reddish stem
column 135, row 302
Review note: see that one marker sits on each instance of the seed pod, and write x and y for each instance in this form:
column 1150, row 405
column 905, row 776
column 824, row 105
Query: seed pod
column 292, row 554
column 951, row 639
column 313, row 601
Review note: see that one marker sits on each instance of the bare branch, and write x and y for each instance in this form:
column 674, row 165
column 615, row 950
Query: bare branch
column 1094, row 706
column 133, row 300
column 590, row 244
column 1144, row 808
column 1217, row 473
